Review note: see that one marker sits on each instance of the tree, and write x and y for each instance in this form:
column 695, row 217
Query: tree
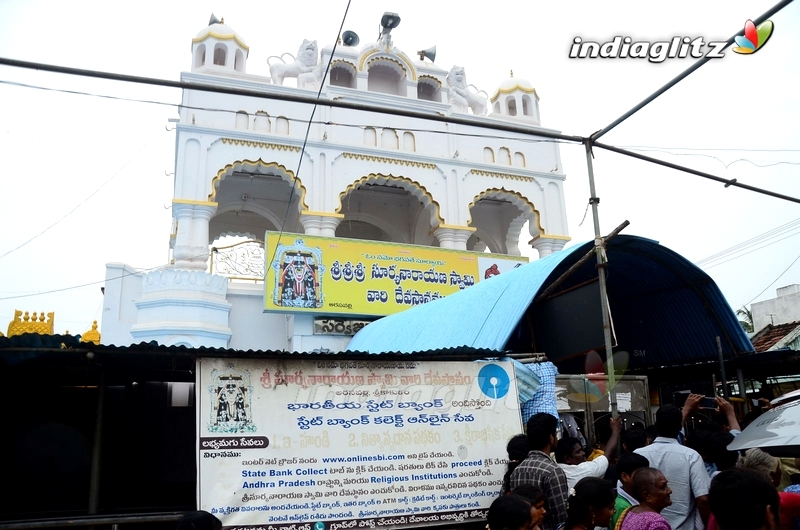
column 746, row 319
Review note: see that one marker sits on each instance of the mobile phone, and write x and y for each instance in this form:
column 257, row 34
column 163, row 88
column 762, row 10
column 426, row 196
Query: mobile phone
column 754, row 402
column 708, row 403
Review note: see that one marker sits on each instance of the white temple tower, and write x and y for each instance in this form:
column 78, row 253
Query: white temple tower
column 242, row 170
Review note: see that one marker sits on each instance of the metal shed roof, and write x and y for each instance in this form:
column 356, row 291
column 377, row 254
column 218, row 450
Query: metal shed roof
column 662, row 306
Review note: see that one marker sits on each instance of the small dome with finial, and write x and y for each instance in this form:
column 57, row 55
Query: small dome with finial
column 516, row 99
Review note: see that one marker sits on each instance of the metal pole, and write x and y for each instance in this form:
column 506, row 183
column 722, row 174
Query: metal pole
column 725, row 392
column 742, row 390
column 602, row 261
column 94, row 480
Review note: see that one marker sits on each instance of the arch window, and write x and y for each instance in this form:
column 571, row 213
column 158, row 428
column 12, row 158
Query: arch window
column 389, row 138
column 511, row 105
column 527, row 107
column 242, row 120
column 220, row 55
column 238, row 61
column 488, row 155
column 370, row 136
column 504, row 156
column 200, row 56
column 261, row 122
column 429, row 89
column 282, row 125
column 386, row 77
column 342, row 74
column 409, row 142
column 519, row 159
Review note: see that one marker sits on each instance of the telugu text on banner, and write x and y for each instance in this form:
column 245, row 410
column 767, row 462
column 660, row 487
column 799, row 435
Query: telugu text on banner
column 328, row 275
column 334, row 445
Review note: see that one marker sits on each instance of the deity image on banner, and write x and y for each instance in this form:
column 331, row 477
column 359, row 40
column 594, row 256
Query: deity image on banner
column 298, row 276
column 230, row 393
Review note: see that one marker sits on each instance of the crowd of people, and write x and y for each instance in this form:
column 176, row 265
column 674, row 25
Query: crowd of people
column 678, row 475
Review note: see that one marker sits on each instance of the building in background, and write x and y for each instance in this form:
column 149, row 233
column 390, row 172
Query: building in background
column 244, row 168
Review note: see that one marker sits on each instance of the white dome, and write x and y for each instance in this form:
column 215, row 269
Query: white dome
column 513, row 84
column 221, row 32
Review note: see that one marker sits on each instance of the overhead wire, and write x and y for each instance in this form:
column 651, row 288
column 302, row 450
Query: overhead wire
column 79, row 204
column 750, row 242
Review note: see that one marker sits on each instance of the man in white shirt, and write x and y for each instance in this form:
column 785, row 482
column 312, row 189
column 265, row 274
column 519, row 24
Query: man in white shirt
column 683, row 468
column 571, row 457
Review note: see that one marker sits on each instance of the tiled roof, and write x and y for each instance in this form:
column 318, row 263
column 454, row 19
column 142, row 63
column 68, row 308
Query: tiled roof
column 770, row 335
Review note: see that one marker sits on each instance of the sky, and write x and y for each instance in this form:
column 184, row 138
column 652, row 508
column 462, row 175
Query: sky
column 87, row 180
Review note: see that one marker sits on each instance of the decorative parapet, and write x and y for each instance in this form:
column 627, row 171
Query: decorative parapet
column 262, row 145
column 385, row 160
column 502, row 175
column 156, row 282
column 43, row 325
column 92, row 335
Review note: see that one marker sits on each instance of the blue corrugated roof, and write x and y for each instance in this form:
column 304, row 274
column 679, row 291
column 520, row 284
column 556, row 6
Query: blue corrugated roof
column 661, row 304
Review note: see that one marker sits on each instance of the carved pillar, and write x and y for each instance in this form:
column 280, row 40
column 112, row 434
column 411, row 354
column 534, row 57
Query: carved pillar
column 320, row 223
column 191, row 239
column 454, row 237
column 548, row 245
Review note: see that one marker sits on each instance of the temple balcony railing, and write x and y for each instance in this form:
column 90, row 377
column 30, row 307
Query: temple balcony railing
column 241, row 262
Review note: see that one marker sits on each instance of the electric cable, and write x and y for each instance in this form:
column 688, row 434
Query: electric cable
column 79, row 204
column 744, row 306
column 750, row 242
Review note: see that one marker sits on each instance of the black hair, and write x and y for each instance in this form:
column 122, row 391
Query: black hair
column 518, row 449
column 700, row 441
column 652, row 432
column 508, row 511
column 564, row 448
column 199, row 520
column 630, row 462
column 738, row 498
column 540, row 427
column 602, row 432
column 634, row 439
column 643, row 481
column 718, row 449
column 533, row 494
column 669, row 421
column 590, row 492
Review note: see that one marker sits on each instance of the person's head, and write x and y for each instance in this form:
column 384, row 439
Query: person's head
column 538, row 501
column 650, row 488
column 199, row 520
column 668, row 421
column 700, row 441
column 652, row 433
column 626, row 465
column 509, row 512
column 743, row 499
column 633, row 439
column 591, row 502
column 720, row 455
column 602, row 431
column 542, row 431
column 764, row 463
column 569, row 451
column 518, row 448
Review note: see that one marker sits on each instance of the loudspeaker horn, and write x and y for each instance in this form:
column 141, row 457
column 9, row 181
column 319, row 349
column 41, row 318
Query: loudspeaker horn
column 213, row 20
column 430, row 53
column 350, row 38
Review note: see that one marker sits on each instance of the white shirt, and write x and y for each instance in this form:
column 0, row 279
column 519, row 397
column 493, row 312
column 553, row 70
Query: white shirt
column 595, row 468
column 625, row 495
column 687, row 477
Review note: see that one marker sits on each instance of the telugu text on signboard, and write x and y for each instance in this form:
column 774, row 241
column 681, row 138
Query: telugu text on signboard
column 347, row 276
column 332, row 444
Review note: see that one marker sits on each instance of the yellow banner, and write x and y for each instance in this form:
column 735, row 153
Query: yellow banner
column 326, row 275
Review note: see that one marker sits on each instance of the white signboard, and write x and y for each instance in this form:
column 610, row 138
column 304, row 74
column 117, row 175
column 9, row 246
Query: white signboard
column 332, row 445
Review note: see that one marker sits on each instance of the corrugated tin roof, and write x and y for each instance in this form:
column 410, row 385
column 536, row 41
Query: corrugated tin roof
column 662, row 305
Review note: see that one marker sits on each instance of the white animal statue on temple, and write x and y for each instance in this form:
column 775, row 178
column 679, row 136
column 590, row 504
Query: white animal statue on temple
column 313, row 79
column 306, row 61
column 461, row 98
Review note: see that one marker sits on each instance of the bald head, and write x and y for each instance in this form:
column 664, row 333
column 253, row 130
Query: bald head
column 644, row 480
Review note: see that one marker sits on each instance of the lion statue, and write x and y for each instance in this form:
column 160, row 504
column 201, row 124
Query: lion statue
column 461, row 98
column 306, row 61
